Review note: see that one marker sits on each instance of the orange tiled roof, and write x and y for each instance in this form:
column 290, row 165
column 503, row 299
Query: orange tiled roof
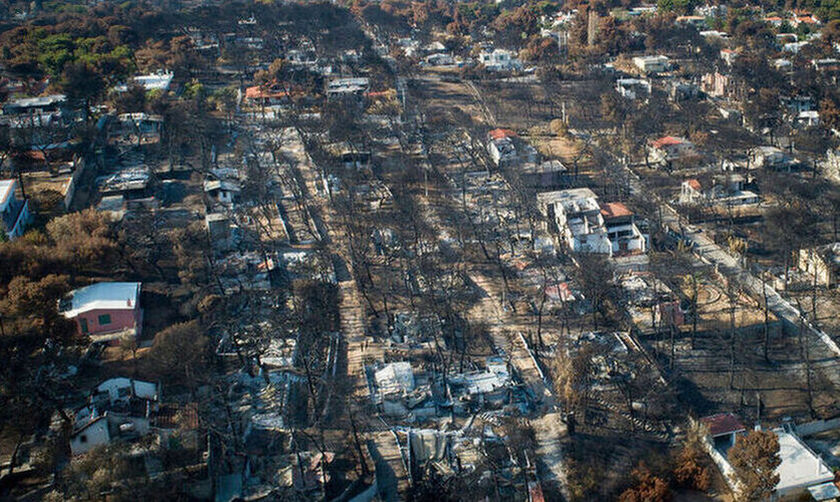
column 722, row 423
column 667, row 141
column 614, row 210
column 693, row 183
column 260, row 92
column 501, row 133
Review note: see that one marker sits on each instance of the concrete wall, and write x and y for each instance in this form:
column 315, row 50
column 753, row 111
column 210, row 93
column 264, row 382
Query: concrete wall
column 720, row 461
column 73, row 183
column 723, row 465
column 817, row 426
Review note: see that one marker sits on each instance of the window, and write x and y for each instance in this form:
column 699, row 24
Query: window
column 83, row 323
column 83, row 439
column 104, row 319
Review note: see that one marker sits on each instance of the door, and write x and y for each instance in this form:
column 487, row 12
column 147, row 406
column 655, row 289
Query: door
column 83, row 324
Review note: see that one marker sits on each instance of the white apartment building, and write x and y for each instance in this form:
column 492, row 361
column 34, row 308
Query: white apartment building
column 586, row 226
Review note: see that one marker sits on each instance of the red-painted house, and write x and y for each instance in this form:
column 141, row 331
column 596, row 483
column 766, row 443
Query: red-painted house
column 105, row 311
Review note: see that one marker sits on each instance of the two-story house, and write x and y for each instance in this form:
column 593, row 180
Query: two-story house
column 500, row 146
column 633, row 88
column 586, row 226
column 499, row 60
column 770, row 157
column 725, row 190
column 625, row 238
column 671, row 148
column 576, row 216
column 823, row 262
column 718, row 85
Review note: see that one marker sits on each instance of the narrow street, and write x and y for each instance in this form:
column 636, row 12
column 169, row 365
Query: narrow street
column 709, row 252
column 505, row 332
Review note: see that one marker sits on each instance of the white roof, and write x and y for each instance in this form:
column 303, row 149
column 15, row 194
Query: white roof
column 210, row 185
column 348, row 84
column 39, row 101
column 160, row 80
column 7, row 189
column 395, row 378
column 573, row 200
column 651, row 59
column 102, row 295
column 800, row 466
column 483, row 382
column 139, row 116
column 552, row 166
column 154, row 81
column 141, row 389
column 632, row 81
column 495, row 377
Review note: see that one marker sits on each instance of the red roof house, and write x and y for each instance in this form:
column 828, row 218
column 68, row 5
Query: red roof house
column 501, row 134
column 671, row 148
column 612, row 210
column 722, row 424
column 695, row 184
column 667, row 141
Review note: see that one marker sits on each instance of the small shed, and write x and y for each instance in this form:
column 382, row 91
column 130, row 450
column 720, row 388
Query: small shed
column 723, row 428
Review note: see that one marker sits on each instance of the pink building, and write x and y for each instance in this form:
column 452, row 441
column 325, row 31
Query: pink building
column 105, row 311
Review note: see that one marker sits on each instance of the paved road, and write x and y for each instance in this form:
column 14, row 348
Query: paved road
column 727, row 264
column 708, row 251
column 549, row 429
column 504, row 329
